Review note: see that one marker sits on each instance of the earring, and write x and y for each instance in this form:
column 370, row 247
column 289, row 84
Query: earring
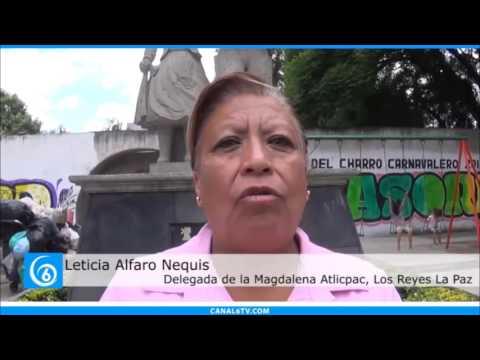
column 308, row 194
column 198, row 199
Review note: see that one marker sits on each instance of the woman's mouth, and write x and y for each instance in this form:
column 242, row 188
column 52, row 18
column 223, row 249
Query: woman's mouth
column 259, row 195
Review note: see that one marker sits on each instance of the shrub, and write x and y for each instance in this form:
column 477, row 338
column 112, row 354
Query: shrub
column 45, row 295
column 435, row 294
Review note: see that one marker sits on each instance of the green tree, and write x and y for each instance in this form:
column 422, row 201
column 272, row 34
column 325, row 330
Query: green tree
column 442, row 85
column 15, row 120
column 329, row 89
column 355, row 88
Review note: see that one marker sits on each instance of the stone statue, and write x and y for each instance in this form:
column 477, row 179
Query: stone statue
column 167, row 95
column 255, row 61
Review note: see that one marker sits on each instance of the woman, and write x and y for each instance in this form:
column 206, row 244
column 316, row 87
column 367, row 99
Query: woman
column 248, row 157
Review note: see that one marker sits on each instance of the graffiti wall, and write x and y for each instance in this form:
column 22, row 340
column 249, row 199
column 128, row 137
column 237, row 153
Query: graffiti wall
column 41, row 164
column 421, row 171
column 42, row 191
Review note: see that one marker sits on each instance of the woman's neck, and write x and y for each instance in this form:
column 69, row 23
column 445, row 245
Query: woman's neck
column 222, row 246
column 258, row 293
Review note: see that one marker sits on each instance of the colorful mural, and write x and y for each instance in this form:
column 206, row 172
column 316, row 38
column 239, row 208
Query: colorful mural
column 367, row 194
column 42, row 191
column 422, row 171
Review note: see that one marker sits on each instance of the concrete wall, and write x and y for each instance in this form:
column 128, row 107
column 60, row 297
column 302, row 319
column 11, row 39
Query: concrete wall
column 108, row 143
column 41, row 164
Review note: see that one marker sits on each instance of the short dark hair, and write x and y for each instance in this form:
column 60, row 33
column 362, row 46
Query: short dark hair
column 222, row 89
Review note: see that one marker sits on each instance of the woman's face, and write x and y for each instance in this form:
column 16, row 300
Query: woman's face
column 251, row 174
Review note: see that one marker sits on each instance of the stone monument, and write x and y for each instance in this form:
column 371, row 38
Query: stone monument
column 167, row 95
column 258, row 62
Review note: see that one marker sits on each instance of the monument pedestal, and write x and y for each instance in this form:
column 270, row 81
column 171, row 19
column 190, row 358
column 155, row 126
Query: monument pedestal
column 147, row 213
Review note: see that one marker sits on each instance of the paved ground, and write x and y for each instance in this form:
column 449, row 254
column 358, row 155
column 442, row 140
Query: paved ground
column 461, row 243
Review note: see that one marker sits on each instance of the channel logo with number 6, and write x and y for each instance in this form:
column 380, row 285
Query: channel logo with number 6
column 43, row 270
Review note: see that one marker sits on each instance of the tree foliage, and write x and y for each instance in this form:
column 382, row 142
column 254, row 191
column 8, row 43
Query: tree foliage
column 15, row 120
column 355, row 88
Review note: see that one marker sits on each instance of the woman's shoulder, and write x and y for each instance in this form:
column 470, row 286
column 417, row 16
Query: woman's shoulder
column 198, row 244
column 352, row 265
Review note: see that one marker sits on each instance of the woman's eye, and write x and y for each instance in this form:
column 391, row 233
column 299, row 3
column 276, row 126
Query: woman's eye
column 281, row 141
column 227, row 143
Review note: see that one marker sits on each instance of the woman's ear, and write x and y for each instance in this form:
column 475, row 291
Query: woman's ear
column 196, row 185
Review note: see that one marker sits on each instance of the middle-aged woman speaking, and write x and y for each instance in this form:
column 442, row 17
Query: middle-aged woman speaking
column 248, row 156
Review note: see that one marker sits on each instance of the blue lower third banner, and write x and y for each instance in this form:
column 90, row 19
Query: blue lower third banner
column 240, row 310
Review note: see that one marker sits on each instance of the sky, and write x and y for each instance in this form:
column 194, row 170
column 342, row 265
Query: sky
column 79, row 88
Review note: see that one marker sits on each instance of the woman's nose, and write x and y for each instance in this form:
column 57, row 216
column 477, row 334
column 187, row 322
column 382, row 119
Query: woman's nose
column 255, row 159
